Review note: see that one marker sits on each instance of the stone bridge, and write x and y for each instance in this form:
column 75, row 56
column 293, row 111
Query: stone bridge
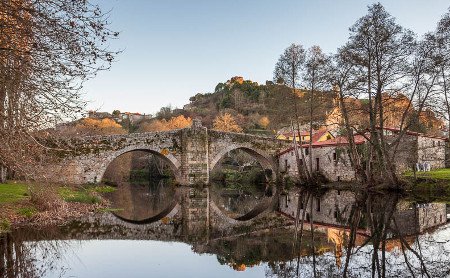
column 192, row 153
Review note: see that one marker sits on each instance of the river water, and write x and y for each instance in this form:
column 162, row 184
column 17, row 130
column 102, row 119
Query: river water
column 158, row 230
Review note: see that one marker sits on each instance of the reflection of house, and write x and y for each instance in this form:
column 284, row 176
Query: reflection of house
column 414, row 218
column 334, row 207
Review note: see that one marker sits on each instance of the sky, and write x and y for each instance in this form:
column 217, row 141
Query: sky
column 174, row 49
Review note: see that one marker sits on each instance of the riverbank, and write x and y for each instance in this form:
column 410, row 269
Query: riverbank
column 35, row 204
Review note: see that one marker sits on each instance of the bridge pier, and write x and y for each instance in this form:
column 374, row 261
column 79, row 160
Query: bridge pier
column 195, row 155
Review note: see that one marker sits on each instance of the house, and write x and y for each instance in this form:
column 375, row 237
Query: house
column 330, row 157
column 417, row 148
column 318, row 136
column 132, row 117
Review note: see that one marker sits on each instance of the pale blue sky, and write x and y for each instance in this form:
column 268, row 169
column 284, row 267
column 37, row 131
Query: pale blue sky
column 174, row 49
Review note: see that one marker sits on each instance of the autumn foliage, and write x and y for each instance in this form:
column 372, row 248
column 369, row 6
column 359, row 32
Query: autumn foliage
column 226, row 122
column 88, row 126
column 162, row 125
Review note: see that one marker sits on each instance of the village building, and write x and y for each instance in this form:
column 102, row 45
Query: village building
column 120, row 116
column 318, row 136
column 330, row 158
column 416, row 151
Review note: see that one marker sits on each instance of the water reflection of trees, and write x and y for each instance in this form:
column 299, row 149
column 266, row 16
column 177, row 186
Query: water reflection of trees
column 380, row 236
column 24, row 254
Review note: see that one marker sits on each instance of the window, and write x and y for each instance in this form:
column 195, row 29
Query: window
column 318, row 205
column 301, row 161
column 307, row 151
column 317, row 164
column 334, row 156
column 433, row 143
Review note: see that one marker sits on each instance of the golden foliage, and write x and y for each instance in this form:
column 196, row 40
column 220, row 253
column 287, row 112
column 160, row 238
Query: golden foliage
column 162, row 125
column 226, row 122
column 90, row 126
column 264, row 122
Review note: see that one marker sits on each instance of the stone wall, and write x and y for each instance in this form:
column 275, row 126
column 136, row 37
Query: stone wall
column 333, row 161
column 431, row 150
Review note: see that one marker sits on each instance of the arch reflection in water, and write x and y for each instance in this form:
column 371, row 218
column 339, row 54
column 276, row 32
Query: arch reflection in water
column 242, row 203
column 142, row 203
column 241, row 188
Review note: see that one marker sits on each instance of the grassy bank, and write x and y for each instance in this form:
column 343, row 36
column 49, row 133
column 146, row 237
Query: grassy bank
column 438, row 174
column 432, row 186
column 32, row 203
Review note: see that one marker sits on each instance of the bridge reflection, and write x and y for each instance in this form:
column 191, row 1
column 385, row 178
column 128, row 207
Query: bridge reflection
column 329, row 233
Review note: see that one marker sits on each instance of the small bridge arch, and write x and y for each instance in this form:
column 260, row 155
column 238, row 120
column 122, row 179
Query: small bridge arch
column 265, row 161
column 169, row 158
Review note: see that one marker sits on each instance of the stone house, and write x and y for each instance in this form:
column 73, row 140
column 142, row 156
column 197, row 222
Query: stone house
column 418, row 148
column 330, row 157
column 318, row 136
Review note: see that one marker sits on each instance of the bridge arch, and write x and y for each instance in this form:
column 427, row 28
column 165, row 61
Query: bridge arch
column 171, row 160
column 265, row 161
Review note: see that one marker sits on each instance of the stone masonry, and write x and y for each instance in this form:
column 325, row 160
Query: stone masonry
column 191, row 153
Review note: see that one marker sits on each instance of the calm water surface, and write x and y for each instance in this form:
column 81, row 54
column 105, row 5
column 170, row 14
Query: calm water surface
column 159, row 230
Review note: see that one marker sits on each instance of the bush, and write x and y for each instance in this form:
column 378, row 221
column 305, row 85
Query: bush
column 44, row 197
column 5, row 226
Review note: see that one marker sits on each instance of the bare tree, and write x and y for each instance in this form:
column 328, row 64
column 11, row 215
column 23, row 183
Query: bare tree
column 315, row 80
column 47, row 50
column 287, row 70
column 442, row 39
column 382, row 50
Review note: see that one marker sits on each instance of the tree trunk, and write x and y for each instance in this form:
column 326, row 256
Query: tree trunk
column 2, row 174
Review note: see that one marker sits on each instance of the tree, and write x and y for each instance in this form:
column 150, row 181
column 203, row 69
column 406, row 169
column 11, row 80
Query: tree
column 116, row 113
column 89, row 127
column 442, row 40
column 315, row 79
column 287, row 69
column 289, row 65
column 165, row 113
column 264, row 121
column 382, row 51
column 226, row 122
column 163, row 125
column 48, row 49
